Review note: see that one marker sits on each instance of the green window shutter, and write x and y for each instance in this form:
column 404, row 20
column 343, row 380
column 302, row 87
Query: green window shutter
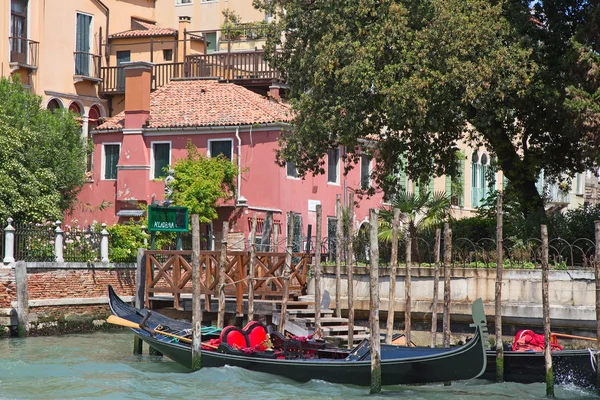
column 431, row 187
column 448, row 185
column 111, row 158
column 463, row 177
column 162, row 159
column 403, row 180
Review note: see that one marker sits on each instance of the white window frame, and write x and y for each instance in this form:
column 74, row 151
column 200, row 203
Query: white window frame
column 337, row 167
column 219, row 140
column 103, row 160
column 152, row 163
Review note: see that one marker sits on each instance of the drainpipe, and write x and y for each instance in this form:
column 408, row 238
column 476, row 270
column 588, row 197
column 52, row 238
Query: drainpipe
column 107, row 31
column 241, row 200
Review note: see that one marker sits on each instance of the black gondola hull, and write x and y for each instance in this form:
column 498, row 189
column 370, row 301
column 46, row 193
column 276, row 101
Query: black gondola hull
column 570, row 366
column 399, row 365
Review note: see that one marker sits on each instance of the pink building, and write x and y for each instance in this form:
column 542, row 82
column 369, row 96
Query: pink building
column 132, row 148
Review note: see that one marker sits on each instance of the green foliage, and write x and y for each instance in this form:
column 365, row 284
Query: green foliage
column 42, row 157
column 230, row 26
column 124, row 242
column 422, row 75
column 201, row 181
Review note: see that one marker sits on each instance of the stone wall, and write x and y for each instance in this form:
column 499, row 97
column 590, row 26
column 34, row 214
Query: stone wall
column 572, row 294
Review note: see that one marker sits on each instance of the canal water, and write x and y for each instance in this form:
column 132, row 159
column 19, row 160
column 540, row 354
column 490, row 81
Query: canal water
column 102, row 366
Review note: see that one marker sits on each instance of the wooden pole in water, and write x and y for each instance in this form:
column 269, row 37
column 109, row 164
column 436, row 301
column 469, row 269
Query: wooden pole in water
column 140, row 289
column 196, row 306
column 546, row 310
column 318, row 272
column 597, row 271
column 251, row 270
column 222, row 276
column 22, row 299
column 408, row 288
column 436, row 279
column 393, row 274
column 286, row 272
column 447, row 272
column 499, row 256
column 374, row 303
column 349, row 270
column 339, row 237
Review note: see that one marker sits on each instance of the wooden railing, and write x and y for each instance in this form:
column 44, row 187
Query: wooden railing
column 23, row 51
column 87, row 64
column 234, row 66
column 170, row 272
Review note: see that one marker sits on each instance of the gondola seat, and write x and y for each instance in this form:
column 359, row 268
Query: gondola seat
column 257, row 335
column 234, row 337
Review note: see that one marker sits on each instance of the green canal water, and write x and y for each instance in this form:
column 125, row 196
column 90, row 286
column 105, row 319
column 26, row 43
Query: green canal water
column 102, row 366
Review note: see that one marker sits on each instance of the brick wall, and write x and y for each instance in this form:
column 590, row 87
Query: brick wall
column 8, row 290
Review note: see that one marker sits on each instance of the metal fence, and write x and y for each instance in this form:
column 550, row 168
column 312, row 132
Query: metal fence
column 81, row 244
column 34, row 241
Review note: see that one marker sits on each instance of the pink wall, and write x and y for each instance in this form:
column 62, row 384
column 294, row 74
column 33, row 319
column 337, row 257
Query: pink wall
column 264, row 184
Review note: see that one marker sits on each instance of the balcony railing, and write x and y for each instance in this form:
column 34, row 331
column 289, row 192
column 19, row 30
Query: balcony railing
column 23, row 51
column 87, row 65
column 234, row 66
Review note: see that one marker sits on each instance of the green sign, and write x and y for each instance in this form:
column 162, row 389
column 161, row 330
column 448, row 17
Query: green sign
column 167, row 219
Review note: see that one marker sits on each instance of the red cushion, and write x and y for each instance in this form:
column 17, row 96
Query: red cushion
column 257, row 335
column 233, row 336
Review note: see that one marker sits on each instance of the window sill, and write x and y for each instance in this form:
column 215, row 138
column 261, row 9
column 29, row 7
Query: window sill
column 82, row 78
column 294, row 178
column 334, row 183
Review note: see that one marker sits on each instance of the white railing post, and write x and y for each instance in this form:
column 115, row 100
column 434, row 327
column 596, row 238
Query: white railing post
column 104, row 244
column 58, row 243
column 9, row 242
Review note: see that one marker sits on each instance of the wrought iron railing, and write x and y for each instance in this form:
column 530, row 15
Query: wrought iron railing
column 34, row 242
column 87, row 64
column 81, row 244
column 23, row 51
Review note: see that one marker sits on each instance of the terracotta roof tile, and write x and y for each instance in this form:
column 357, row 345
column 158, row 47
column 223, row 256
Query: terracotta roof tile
column 150, row 30
column 203, row 103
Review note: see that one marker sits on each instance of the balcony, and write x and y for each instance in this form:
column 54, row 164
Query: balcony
column 23, row 53
column 87, row 67
column 247, row 68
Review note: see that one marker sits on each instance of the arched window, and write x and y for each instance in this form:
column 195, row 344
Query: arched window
column 54, row 105
column 74, row 107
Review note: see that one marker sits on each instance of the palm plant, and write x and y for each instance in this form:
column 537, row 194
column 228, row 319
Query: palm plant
column 418, row 211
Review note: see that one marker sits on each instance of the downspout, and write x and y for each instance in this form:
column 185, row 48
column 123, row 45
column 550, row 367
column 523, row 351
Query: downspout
column 241, row 200
column 107, row 55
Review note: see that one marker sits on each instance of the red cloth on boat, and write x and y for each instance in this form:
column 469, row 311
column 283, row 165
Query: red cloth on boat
column 527, row 340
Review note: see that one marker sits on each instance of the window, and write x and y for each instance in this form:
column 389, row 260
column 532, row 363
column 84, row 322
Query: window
column 181, row 2
column 217, row 147
column 83, row 41
column 168, row 55
column 211, row 42
column 331, row 237
column 482, row 179
column 333, row 163
column 111, row 158
column 161, row 159
column 365, row 171
column 291, row 170
column 54, row 105
column 123, row 56
column 18, row 31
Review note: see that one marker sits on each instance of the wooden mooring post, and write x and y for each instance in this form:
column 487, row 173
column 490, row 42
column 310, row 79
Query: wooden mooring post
column 140, row 283
column 436, row 280
column 339, row 237
column 350, row 270
column 546, row 311
column 196, row 293
column 22, row 299
column 286, row 272
column 374, row 302
column 498, row 317
column 251, row 265
column 318, row 272
column 393, row 274
column 408, row 289
column 447, row 273
column 597, row 273
column 222, row 277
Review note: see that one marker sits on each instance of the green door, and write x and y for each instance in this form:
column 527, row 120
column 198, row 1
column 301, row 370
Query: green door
column 122, row 57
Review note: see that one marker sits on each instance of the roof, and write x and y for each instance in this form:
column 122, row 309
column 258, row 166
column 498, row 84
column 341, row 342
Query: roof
column 149, row 30
column 205, row 103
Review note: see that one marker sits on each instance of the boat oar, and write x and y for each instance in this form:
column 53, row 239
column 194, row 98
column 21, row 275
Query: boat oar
column 564, row 335
column 113, row 319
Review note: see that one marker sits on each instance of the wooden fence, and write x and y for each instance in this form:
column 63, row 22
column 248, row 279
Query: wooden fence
column 170, row 272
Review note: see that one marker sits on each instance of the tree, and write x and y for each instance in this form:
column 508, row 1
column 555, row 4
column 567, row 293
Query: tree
column 42, row 157
column 201, row 181
column 420, row 75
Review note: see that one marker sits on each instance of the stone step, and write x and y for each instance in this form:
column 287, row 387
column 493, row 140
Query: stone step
column 308, row 311
column 341, row 328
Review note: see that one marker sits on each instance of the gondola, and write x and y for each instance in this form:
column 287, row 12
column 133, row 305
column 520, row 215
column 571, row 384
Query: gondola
column 575, row 367
column 301, row 359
